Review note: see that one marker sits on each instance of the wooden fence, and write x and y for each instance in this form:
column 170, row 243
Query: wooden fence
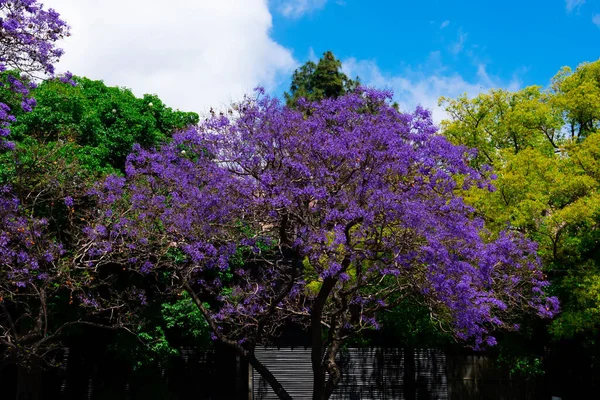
column 392, row 373
column 369, row 373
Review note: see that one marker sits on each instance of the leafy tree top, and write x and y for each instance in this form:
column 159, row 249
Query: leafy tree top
column 577, row 93
column 102, row 123
column 321, row 80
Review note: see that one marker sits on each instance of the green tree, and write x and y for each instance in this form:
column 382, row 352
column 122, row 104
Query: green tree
column 321, row 80
column 104, row 122
column 577, row 94
column 500, row 122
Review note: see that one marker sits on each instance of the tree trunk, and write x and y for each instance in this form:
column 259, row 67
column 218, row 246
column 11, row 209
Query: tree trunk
column 28, row 383
column 323, row 388
column 316, row 357
column 317, row 350
column 319, row 392
column 335, row 375
column 410, row 390
column 267, row 375
column 248, row 355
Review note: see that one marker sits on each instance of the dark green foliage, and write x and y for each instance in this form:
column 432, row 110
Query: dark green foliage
column 8, row 96
column 409, row 323
column 104, row 122
column 318, row 81
column 167, row 325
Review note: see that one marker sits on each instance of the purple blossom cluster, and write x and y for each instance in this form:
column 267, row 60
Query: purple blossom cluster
column 28, row 34
column 361, row 203
column 27, row 256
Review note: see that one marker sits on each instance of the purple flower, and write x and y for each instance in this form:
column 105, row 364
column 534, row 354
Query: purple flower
column 146, row 267
column 354, row 197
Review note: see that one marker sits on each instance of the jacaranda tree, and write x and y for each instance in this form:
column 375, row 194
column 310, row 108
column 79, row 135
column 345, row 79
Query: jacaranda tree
column 28, row 34
column 327, row 218
column 45, row 292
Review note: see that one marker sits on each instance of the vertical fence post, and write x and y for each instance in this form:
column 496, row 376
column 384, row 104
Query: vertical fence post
column 64, row 368
column 90, row 388
column 250, row 382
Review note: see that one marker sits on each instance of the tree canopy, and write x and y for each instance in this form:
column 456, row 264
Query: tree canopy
column 101, row 123
column 324, row 79
column 325, row 219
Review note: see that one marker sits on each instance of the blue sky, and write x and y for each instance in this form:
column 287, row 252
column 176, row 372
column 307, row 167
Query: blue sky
column 483, row 44
column 208, row 53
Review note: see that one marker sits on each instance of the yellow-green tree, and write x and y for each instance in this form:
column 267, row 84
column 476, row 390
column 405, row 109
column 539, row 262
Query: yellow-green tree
column 544, row 146
column 499, row 123
column 577, row 95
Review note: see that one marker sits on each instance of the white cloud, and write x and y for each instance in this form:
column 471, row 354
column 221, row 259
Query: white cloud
column 459, row 45
column 574, row 4
column 298, row 8
column 192, row 54
column 414, row 88
column 444, row 24
column 312, row 56
column 596, row 19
